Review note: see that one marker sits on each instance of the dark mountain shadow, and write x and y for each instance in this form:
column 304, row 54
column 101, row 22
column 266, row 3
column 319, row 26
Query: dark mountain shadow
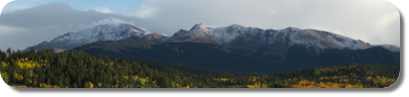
column 214, row 57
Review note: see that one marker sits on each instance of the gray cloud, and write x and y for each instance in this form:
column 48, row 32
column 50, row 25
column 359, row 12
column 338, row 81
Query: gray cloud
column 31, row 26
column 373, row 21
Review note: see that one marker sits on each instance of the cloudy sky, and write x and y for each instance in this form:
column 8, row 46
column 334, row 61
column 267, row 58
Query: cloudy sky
column 25, row 23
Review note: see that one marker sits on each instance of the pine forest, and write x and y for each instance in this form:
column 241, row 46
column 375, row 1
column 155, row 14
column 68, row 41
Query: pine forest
column 76, row 69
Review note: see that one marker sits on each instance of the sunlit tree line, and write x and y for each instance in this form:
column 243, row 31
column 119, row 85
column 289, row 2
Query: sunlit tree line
column 76, row 69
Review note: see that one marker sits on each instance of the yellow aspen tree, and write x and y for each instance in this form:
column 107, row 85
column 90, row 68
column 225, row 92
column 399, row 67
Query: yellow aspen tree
column 4, row 64
column 40, row 85
column 327, row 77
column 250, row 86
column 369, row 78
column 5, row 77
column 99, row 84
column 44, row 85
column 321, row 85
column 91, row 85
column 349, row 86
column 55, row 86
column 18, row 76
column 335, row 85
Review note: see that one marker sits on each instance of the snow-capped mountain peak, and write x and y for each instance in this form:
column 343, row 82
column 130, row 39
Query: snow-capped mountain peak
column 324, row 40
column 236, row 26
column 200, row 30
column 238, row 36
column 106, row 32
column 202, row 25
column 156, row 33
column 292, row 29
column 156, row 37
column 180, row 32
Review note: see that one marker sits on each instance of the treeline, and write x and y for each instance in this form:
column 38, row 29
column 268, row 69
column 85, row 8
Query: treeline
column 346, row 76
column 76, row 69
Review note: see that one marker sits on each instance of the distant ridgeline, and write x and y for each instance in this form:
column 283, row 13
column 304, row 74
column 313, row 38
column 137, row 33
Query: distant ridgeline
column 76, row 69
column 248, row 49
column 233, row 48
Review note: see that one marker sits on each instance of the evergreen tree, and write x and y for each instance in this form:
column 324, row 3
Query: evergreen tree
column 26, row 81
column 32, row 53
column 67, row 81
column 18, row 54
column 8, row 50
column 75, row 85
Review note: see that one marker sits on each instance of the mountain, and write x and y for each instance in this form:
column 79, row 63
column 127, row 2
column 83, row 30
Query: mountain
column 197, row 34
column 252, row 38
column 245, row 49
column 156, row 37
column 100, row 33
column 212, row 57
column 269, row 42
column 122, row 45
column 390, row 47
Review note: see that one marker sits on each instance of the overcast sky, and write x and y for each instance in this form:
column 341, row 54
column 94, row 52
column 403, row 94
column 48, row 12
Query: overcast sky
column 25, row 23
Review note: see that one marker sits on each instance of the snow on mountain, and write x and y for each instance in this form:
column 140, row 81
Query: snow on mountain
column 107, row 32
column 324, row 40
column 100, row 33
column 199, row 33
column 219, row 35
column 226, row 34
column 257, row 38
column 156, row 37
column 233, row 36
column 180, row 32
column 200, row 29
column 390, row 47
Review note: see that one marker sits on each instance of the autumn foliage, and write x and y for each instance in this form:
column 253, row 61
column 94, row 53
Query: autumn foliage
column 75, row 69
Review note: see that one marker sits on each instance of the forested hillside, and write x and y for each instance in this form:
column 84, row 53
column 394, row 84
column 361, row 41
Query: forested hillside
column 76, row 69
column 214, row 57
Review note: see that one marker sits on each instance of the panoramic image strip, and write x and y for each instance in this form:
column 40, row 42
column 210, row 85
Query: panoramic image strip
column 200, row 44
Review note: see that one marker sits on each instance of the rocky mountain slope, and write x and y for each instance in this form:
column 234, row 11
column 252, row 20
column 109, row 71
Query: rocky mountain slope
column 232, row 48
column 252, row 38
column 270, row 42
column 252, row 50
column 107, row 32
column 156, row 37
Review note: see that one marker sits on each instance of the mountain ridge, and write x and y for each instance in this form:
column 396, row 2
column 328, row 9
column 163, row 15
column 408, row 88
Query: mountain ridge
column 253, row 38
column 106, row 32
column 252, row 50
column 234, row 36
